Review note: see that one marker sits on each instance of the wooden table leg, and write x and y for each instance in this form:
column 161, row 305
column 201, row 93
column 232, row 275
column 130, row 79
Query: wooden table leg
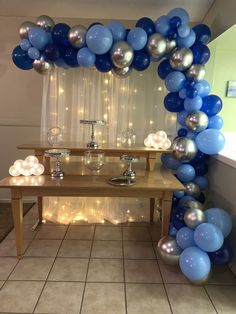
column 166, row 203
column 151, row 161
column 152, row 208
column 17, row 212
column 40, row 208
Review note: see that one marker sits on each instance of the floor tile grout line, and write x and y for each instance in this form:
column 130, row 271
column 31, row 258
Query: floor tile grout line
column 204, row 287
column 45, row 282
column 123, row 252
column 86, row 276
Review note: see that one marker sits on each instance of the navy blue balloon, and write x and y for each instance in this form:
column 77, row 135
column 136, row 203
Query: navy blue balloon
column 201, row 168
column 172, row 230
column 70, row 56
column 184, row 199
column 173, row 102
column 211, row 105
column 201, row 198
column 191, row 92
column 182, row 132
column 203, row 33
column 103, row 63
column 141, row 60
column 21, row 59
column 175, row 22
column 126, row 33
column 169, row 161
column 200, row 156
column 60, row 34
column 164, row 68
column 95, row 23
column 178, row 218
column 147, row 24
column 223, row 256
column 172, row 34
column 51, row 52
column 201, row 53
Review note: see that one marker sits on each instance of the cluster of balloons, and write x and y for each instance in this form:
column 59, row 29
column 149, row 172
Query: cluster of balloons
column 196, row 239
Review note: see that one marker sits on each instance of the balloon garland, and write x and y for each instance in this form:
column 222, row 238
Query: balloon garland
column 196, row 237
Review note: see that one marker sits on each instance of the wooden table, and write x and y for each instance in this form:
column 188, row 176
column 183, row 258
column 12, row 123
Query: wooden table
column 159, row 184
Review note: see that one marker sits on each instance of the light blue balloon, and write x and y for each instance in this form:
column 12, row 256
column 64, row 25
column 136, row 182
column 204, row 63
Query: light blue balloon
column 185, row 173
column 181, row 117
column 184, row 30
column 170, row 162
column 38, row 37
column 187, row 41
column 193, row 104
column 178, row 194
column 137, row 38
column 25, row 44
column 202, row 182
column 175, row 81
column 185, row 199
column 191, row 134
column 184, row 237
column 215, row 122
column 220, row 218
column 194, row 263
column 85, row 57
column 210, row 141
column 162, row 25
column 182, row 93
column 33, row 53
column 99, row 39
column 183, row 14
column 203, row 88
column 117, row 29
column 208, row 237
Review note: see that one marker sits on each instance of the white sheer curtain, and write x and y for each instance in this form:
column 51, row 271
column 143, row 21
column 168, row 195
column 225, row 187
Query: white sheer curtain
column 135, row 102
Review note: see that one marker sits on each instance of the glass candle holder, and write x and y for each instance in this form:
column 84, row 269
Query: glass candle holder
column 94, row 160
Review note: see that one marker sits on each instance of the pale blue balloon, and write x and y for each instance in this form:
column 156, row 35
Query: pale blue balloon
column 118, row 30
column 137, row 38
column 215, row 122
column 99, row 39
column 38, row 37
column 175, row 81
column 194, row 263
column 181, row 13
column 193, row 104
column 184, row 30
column 185, row 173
column 181, row 117
column 162, row 25
column 208, row 237
column 33, row 53
column 184, row 237
column 210, row 141
column 85, row 57
column 202, row 182
column 220, row 218
column 203, row 88
column 25, row 44
column 187, row 41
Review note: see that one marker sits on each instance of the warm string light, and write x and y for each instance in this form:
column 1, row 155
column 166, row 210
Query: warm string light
column 157, row 140
column 27, row 167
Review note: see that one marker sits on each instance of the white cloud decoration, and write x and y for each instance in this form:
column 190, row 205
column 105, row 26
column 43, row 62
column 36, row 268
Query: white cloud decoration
column 157, row 140
column 29, row 166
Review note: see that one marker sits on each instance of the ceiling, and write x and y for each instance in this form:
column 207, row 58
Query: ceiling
column 103, row 9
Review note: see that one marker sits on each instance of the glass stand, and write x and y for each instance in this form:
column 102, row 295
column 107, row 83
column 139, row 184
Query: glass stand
column 92, row 143
column 57, row 154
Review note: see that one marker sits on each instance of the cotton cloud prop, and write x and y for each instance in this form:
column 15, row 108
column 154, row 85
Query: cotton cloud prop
column 27, row 167
column 157, row 140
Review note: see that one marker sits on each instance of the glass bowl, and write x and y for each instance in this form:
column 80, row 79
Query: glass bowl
column 94, row 160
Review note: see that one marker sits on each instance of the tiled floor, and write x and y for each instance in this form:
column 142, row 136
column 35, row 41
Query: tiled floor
column 102, row 269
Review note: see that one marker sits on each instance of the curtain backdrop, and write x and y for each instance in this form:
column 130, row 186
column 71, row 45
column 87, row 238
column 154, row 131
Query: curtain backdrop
column 135, row 102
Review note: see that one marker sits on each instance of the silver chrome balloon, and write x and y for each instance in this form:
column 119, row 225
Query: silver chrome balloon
column 184, row 149
column 46, row 22
column 156, row 45
column 168, row 250
column 192, row 189
column 77, row 35
column 181, row 59
column 41, row 66
column 121, row 73
column 197, row 121
column 170, row 45
column 190, row 204
column 122, row 54
column 196, row 72
column 194, row 217
column 24, row 29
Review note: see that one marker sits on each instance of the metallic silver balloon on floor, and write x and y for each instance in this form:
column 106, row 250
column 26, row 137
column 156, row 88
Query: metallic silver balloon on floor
column 41, row 66
column 122, row 73
column 194, row 217
column 24, row 29
column 77, row 36
column 197, row 121
column 156, row 45
column 184, row 149
column 170, row 45
column 190, row 204
column 122, row 54
column 192, row 189
column 196, row 72
column 181, row 59
column 168, row 250
column 46, row 22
